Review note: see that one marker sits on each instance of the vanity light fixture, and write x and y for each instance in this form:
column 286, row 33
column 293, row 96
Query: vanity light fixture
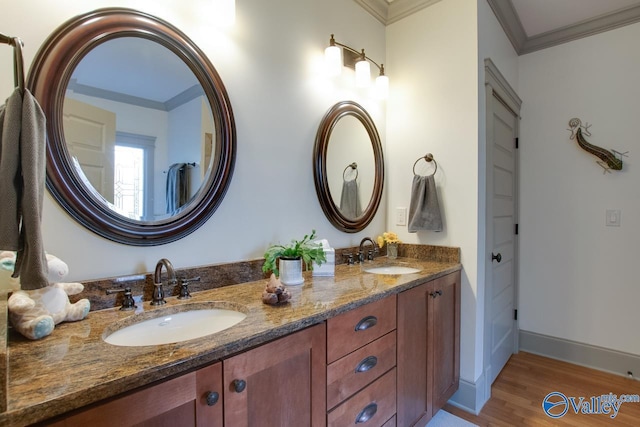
column 333, row 57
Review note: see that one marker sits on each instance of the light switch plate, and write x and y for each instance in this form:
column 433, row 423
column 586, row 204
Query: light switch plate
column 613, row 217
column 401, row 216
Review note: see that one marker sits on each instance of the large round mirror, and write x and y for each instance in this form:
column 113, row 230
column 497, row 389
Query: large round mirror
column 348, row 166
column 141, row 137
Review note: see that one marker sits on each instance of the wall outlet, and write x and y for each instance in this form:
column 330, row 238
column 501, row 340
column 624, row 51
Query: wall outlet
column 401, row 216
column 613, row 217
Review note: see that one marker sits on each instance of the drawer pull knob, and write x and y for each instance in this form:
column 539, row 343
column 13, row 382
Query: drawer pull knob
column 367, row 413
column 366, row 323
column 239, row 385
column 367, row 364
column 212, row 398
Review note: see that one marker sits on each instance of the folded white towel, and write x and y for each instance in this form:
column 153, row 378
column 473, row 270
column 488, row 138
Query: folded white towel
column 424, row 209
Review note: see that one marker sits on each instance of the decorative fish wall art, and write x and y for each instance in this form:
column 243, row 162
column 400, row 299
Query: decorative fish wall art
column 609, row 160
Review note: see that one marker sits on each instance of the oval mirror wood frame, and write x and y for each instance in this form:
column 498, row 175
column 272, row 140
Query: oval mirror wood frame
column 323, row 137
column 48, row 79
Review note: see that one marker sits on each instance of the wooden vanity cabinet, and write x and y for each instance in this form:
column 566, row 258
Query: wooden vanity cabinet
column 281, row 383
column 428, row 348
column 188, row 400
column 395, row 361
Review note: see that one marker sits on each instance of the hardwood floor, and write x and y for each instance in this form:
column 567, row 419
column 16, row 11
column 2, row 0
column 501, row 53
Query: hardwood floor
column 518, row 392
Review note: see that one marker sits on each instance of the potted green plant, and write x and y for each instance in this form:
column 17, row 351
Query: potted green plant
column 285, row 261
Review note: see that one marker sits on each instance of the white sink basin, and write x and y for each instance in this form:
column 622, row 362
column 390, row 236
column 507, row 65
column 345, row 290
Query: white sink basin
column 391, row 269
column 166, row 326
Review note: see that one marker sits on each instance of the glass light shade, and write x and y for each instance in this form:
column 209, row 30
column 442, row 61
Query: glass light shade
column 333, row 60
column 382, row 87
column 363, row 73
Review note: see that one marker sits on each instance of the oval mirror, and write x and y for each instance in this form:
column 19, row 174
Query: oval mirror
column 140, row 131
column 348, row 166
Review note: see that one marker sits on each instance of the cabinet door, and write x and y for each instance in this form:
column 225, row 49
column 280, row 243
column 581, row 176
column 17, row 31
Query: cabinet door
column 181, row 401
column 428, row 348
column 281, row 383
column 445, row 331
column 414, row 395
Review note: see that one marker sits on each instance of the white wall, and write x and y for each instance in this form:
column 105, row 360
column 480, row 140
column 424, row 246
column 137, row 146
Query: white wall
column 433, row 107
column 271, row 65
column 577, row 277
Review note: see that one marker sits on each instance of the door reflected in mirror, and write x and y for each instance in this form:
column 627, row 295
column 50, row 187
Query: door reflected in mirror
column 141, row 137
column 138, row 125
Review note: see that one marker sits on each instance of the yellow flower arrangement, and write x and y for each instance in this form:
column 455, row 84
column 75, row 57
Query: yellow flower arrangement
column 388, row 237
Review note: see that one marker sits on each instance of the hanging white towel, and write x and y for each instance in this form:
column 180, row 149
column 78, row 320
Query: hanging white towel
column 22, row 174
column 350, row 200
column 424, row 209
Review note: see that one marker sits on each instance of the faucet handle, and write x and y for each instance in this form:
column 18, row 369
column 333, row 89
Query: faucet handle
column 184, row 287
column 127, row 303
column 349, row 257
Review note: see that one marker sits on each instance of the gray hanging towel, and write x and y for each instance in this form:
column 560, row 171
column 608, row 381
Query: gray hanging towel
column 424, row 209
column 350, row 200
column 177, row 186
column 22, row 173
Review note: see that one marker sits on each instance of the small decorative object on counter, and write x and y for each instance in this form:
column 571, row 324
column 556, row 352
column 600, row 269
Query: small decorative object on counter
column 329, row 267
column 275, row 293
column 35, row 313
column 293, row 255
column 392, row 241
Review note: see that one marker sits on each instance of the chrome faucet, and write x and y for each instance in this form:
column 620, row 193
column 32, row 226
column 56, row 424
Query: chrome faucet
column 158, row 293
column 370, row 253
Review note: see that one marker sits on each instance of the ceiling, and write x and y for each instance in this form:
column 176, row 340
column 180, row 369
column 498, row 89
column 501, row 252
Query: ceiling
column 531, row 25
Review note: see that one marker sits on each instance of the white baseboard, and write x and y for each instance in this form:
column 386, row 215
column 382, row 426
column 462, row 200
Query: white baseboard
column 591, row 356
column 470, row 397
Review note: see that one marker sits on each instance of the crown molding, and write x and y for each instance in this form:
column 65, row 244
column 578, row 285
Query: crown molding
column 508, row 19
column 390, row 11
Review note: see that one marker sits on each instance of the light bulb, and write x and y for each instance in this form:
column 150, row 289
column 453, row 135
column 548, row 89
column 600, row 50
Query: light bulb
column 333, row 60
column 382, row 87
column 363, row 73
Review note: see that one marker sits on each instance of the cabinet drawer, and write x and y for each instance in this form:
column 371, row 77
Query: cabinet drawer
column 349, row 374
column 355, row 328
column 371, row 407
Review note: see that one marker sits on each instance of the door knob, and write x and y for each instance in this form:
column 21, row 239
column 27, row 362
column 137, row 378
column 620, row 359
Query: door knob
column 496, row 257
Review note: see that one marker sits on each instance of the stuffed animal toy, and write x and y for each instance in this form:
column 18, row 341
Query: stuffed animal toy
column 35, row 313
column 7, row 265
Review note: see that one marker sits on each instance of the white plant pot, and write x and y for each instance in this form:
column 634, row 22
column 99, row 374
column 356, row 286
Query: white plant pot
column 291, row 271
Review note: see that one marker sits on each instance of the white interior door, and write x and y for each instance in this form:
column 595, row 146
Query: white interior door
column 90, row 133
column 501, row 332
column 501, row 292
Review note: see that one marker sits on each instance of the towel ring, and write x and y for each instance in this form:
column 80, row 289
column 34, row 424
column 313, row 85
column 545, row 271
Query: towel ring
column 427, row 158
column 18, row 63
column 353, row 166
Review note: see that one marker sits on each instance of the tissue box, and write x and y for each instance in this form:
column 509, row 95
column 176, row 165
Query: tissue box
column 327, row 268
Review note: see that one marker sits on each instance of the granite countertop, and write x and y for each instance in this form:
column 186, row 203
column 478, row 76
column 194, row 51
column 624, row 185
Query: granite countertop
column 74, row 367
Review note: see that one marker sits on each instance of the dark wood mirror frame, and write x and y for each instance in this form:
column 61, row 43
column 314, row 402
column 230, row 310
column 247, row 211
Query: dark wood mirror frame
column 331, row 118
column 48, row 79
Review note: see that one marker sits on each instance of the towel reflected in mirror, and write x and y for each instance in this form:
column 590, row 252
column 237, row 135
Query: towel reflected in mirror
column 350, row 200
column 177, row 186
